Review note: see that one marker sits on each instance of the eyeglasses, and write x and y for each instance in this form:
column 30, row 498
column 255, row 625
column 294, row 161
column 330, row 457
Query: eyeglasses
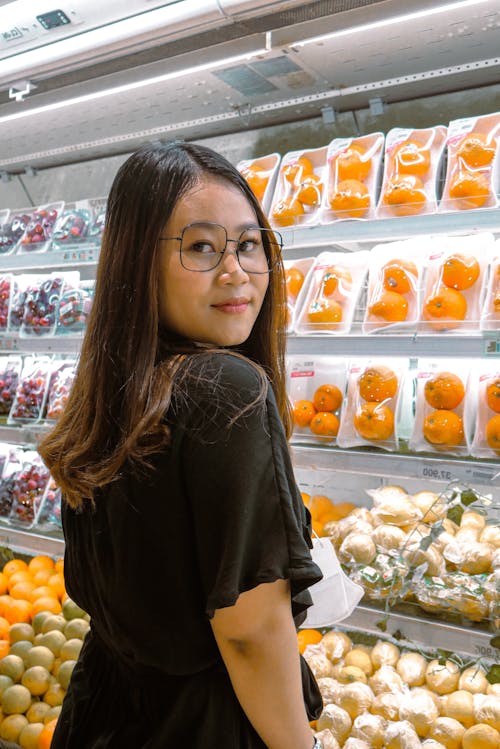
column 203, row 245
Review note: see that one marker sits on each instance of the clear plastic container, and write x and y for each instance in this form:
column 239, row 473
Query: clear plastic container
column 29, row 487
column 74, row 308
column 61, row 379
column 49, row 514
column 13, row 229
column 10, row 369
column 31, row 391
column 38, row 231
column 41, row 306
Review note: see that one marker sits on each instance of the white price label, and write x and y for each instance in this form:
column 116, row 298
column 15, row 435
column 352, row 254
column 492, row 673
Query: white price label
column 11, row 343
column 491, row 346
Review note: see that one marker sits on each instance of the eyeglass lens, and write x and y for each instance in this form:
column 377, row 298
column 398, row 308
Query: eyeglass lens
column 203, row 245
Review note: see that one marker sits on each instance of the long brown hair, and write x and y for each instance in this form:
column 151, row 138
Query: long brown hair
column 123, row 385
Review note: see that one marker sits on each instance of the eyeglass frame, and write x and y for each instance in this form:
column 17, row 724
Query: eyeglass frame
column 234, row 241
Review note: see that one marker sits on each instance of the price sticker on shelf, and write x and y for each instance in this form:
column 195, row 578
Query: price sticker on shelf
column 491, row 343
column 10, row 343
column 435, row 472
column 471, row 473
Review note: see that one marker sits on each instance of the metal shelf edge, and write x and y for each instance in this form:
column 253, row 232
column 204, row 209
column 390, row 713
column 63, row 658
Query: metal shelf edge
column 30, row 542
column 409, row 344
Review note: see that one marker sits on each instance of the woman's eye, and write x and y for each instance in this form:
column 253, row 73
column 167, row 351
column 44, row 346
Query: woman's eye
column 247, row 246
column 202, row 247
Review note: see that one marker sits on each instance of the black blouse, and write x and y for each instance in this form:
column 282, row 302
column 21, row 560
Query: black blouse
column 218, row 514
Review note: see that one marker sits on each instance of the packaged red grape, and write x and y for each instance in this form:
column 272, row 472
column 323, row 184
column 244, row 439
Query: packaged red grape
column 74, row 308
column 98, row 208
column 5, row 293
column 10, row 369
column 11, row 466
column 31, row 391
column 29, row 487
column 61, row 380
column 72, row 225
column 299, row 188
column 38, row 232
column 18, row 295
column 49, row 514
column 13, row 228
column 41, row 305
column 261, row 174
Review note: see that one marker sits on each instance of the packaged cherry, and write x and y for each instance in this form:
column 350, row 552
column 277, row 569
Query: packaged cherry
column 13, row 229
column 295, row 276
column 72, row 225
column 74, row 307
column 29, row 487
column 10, row 369
column 49, row 513
column 12, row 465
column 473, row 171
column 18, row 296
column 41, row 306
column 261, row 174
column 316, row 391
column 5, row 292
column 413, row 162
column 441, row 422
column 352, row 177
column 38, row 232
column 331, row 296
column 454, row 286
column 485, row 381
column 299, row 188
column 371, row 412
column 61, row 380
column 31, row 391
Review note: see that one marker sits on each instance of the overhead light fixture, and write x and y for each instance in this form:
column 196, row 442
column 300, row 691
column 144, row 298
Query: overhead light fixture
column 131, row 86
column 388, row 22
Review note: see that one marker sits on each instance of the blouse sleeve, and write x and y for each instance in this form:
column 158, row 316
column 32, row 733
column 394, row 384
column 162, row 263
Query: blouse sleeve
column 249, row 521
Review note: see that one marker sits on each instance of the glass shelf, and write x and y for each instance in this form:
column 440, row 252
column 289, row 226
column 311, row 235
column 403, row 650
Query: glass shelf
column 31, row 542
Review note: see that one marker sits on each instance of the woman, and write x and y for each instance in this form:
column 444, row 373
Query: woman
column 186, row 537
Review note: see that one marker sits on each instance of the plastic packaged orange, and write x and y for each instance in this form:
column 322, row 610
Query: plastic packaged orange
column 353, row 171
column 486, row 384
column 394, row 286
column 373, row 403
column 441, row 423
column 412, row 166
column 316, row 390
column 261, row 174
column 473, row 171
column 333, row 289
column 454, row 283
column 490, row 311
column 299, row 188
column 296, row 282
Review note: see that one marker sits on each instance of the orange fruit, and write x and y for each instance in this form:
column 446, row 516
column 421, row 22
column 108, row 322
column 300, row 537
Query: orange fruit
column 476, row 149
column 493, row 432
column 443, row 427
column 353, row 164
column 4, row 628
column 56, row 584
column 377, row 384
column 19, row 610
column 405, row 195
column 40, row 562
column 374, row 422
column 310, row 190
column 396, row 276
column 470, row 189
column 18, row 577
column 45, row 738
column 306, row 498
column 320, row 507
column 411, row 157
column 351, row 198
column 336, row 277
column 303, row 412
column 493, row 395
column 326, row 314
column 4, row 648
column 257, row 179
column 390, row 306
column 460, row 271
column 3, row 583
column 444, row 390
column 39, row 592
column 41, row 576
column 324, row 424
column 14, row 565
column 59, row 565
column 445, row 308
column 5, row 600
column 22, row 590
column 46, row 603
column 295, row 171
column 318, row 527
column 286, row 211
column 327, row 398
column 307, row 637
column 294, row 278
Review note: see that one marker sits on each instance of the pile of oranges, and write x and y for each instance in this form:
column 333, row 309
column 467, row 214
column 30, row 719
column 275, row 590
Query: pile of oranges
column 374, row 417
column 470, row 183
column 323, row 510
column 444, row 392
column 320, row 414
column 349, row 196
column 408, row 166
column 395, row 288
column 302, row 190
column 446, row 306
column 326, row 311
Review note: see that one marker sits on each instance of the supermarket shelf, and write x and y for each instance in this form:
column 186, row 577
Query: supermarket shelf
column 430, row 634
column 387, row 465
column 24, row 435
column 300, row 240
column 41, row 344
column 74, row 257
column 477, row 345
column 30, row 542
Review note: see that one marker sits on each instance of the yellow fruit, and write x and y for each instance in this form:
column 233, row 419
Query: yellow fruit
column 12, row 666
column 54, row 695
column 360, row 659
column 37, row 712
column 481, row 736
column 53, row 621
column 460, row 705
column 64, row 673
column 40, row 656
column 71, row 650
column 11, row 727
column 37, row 680
column 5, row 681
column 52, row 714
column 53, row 640
column 28, row 738
column 72, row 610
column 16, row 699
column 21, row 631
column 76, row 628
column 20, row 648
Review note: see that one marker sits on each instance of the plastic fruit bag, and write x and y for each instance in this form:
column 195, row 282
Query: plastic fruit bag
column 295, row 276
column 329, row 303
column 490, row 309
column 10, row 369
column 412, row 167
column 98, row 208
column 373, row 397
column 473, row 172
column 74, row 307
column 440, row 411
column 454, row 283
column 261, row 174
column 316, row 391
column 30, row 484
column 486, row 382
column 5, row 292
column 61, row 380
column 49, row 513
column 299, row 188
column 39, row 229
column 31, row 391
column 352, row 177
column 11, row 465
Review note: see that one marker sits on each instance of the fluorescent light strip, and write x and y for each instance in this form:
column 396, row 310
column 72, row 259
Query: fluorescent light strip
column 131, row 86
column 388, row 22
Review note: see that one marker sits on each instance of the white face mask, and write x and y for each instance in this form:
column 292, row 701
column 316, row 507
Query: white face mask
column 335, row 596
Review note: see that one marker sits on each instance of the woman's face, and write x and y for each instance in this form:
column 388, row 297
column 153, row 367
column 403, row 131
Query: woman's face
column 218, row 306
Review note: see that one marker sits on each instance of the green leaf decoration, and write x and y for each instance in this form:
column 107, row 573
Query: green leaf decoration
column 382, row 625
column 455, row 514
column 493, row 674
column 468, row 497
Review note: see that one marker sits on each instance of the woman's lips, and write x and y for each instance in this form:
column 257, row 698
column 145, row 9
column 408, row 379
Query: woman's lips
column 239, row 304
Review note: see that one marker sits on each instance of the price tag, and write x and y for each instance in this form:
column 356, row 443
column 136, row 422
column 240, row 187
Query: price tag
column 491, row 344
column 469, row 474
column 10, row 343
column 431, row 471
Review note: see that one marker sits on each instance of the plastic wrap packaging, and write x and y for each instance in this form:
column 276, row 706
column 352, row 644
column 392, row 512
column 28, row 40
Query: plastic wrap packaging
column 299, row 189
column 386, row 679
column 490, row 309
column 18, row 295
column 12, row 463
column 10, row 369
column 74, row 308
column 295, row 276
column 472, row 175
column 316, row 390
column 487, row 710
column 419, row 709
column 5, row 294
column 412, row 168
column 31, row 391
column 38, row 231
column 385, row 654
column 72, row 225
column 49, row 514
column 448, row 732
column 337, row 720
column 454, row 284
column 443, row 415
column 5, row 455
column 29, row 488
column 394, row 286
column 456, row 593
column 13, row 228
column 41, row 307
column 329, row 301
column 401, row 735
column 98, row 208
column 373, row 400
column 261, row 175
column 384, row 578
column 485, row 382
column 61, row 380
column 328, row 740
column 352, row 177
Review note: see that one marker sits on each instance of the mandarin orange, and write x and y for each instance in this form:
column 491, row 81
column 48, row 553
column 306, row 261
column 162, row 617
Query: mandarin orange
column 476, row 149
column 390, row 306
column 377, row 384
column 374, row 422
column 40, row 562
column 294, row 279
column 307, row 637
column 353, row 163
column 14, row 565
column 397, row 274
column 444, row 427
column 325, row 314
column 327, row 398
column 444, row 390
column 469, row 190
column 411, row 157
column 336, row 277
column 460, row 271
column 285, row 212
column 296, row 170
column 493, row 395
column 310, row 190
column 303, row 411
column 324, row 424
column 351, row 199
column 257, row 179
column 405, row 195
column 445, row 308
column 493, row 432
